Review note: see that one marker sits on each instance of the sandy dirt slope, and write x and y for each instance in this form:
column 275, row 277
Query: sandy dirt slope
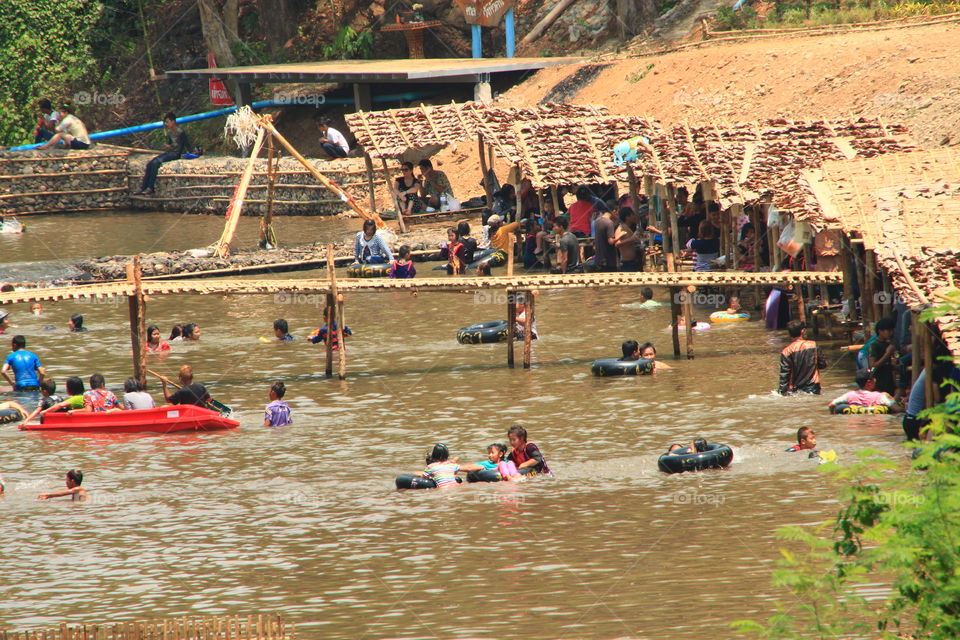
column 908, row 75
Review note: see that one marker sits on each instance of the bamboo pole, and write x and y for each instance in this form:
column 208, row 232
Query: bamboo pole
column 334, row 187
column 336, row 315
column 848, row 275
column 222, row 246
column 928, row 390
column 674, row 319
column 510, row 259
column 519, row 214
column 807, row 254
column 272, row 165
column 555, row 196
column 328, row 343
column 138, row 323
column 870, row 269
column 511, row 324
column 916, row 347
column 398, row 203
column 483, row 167
column 674, row 226
column 368, row 163
column 757, row 266
column 688, row 313
column 528, row 328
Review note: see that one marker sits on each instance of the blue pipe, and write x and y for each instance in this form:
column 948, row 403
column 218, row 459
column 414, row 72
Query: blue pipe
column 511, row 32
column 150, row 126
column 476, row 40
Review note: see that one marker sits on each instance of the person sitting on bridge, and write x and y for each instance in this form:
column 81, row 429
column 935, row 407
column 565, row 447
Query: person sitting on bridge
column 332, row 141
column 70, row 131
column 436, row 184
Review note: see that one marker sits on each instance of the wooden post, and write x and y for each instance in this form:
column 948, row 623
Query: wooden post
column 328, row 344
column 847, row 256
column 397, row 203
column 928, row 338
column 336, row 314
column 801, row 307
column 510, row 240
column 483, row 167
column 735, row 212
column 688, row 312
column 272, row 167
column 916, row 349
column 138, row 322
column 870, row 269
column 867, row 297
column 556, row 200
column 528, row 302
column 889, row 294
column 235, row 208
column 511, row 323
column 808, row 267
column 519, row 214
column 368, row 162
column 674, row 318
column 757, row 265
column 674, row 227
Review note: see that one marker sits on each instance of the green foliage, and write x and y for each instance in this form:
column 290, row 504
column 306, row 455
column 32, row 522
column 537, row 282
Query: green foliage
column 44, row 48
column 637, row 77
column 349, row 45
column 791, row 14
column 728, row 19
column 900, row 523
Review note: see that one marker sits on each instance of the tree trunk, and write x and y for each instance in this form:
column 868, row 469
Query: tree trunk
column 214, row 34
column 633, row 16
column 279, row 21
column 231, row 19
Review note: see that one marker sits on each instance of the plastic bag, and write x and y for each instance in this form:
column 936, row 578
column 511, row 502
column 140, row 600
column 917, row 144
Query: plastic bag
column 452, row 204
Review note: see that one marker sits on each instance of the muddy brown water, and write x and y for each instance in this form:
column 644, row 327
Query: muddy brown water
column 305, row 521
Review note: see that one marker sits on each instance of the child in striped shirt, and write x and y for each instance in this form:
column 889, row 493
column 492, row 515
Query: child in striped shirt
column 440, row 469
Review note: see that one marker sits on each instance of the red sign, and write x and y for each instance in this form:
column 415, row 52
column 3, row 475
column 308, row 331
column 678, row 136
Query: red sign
column 486, row 13
column 219, row 95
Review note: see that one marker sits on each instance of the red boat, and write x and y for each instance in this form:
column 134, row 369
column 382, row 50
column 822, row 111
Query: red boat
column 181, row 417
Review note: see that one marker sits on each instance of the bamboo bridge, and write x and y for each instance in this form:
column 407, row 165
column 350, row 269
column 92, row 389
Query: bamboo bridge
column 136, row 289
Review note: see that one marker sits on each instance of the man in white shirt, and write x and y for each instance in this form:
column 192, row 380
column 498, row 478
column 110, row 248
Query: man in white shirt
column 332, row 141
column 71, row 131
column 46, row 123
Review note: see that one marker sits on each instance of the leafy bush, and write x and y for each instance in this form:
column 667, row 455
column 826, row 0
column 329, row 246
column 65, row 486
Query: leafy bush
column 44, row 49
column 349, row 45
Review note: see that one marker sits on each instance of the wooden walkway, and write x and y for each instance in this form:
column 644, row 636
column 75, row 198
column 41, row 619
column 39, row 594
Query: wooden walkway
column 420, row 285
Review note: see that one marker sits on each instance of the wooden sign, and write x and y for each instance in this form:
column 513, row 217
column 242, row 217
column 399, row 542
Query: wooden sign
column 486, row 13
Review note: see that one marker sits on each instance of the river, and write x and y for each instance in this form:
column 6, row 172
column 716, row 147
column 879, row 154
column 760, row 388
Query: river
column 305, row 521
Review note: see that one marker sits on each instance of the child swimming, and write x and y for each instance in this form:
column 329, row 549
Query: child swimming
column 74, row 490
column 525, row 455
column 496, row 454
column 277, row 412
column 440, row 469
column 403, row 266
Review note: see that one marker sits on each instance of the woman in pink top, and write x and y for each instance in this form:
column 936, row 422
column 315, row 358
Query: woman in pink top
column 865, row 396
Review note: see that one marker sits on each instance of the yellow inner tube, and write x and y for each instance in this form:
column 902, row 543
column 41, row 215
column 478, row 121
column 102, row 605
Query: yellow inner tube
column 723, row 316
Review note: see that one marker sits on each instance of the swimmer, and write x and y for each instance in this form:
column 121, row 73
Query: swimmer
column 277, row 412
column 495, row 461
column 806, row 441
column 440, row 469
column 191, row 331
column 154, row 343
column 699, row 445
column 76, row 323
column 631, row 350
column 403, row 266
column 865, row 396
column 176, row 333
column 4, row 321
column 697, row 326
column 526, row 455
column 16, row 406
column 649, row 352
column 281, row 330
column 74, row 490
column 36, row 309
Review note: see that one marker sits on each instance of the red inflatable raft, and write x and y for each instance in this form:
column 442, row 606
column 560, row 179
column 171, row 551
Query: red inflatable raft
column 182, row 417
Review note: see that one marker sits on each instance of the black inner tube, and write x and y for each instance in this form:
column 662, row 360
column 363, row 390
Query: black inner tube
column 620, row 367
column 483, row 333
column 9, row 415
column 715, row 456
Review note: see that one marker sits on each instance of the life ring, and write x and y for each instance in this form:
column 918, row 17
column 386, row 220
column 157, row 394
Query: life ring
column 717, row 456
column 410, row 481
column 493, row 257
column 850, row 409
column 483, row 333
column 723, row 316
column 9, row 415
column 618, row 367
column 377, row 270
column 484, row 475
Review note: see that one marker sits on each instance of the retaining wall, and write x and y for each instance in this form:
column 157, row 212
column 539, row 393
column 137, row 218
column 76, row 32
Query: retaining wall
column 107, row 178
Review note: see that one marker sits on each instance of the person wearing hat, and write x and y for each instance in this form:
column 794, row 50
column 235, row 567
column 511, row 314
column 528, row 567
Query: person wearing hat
column 27, row 370
column 4, row 323
column 499, row 233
